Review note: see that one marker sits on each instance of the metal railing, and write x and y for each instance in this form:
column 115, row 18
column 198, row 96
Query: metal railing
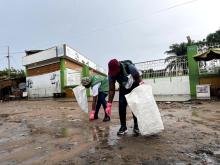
column 168, row 67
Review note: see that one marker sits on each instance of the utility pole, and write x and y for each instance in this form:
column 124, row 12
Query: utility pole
column 9, row 67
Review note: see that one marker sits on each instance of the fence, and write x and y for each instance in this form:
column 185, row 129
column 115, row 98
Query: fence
column 168, row 67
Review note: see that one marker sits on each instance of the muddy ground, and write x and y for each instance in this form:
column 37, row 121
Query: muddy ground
column 58, row 132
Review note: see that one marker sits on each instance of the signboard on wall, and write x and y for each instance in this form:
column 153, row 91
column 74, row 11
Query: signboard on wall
column 80, row 58
column 73, row 77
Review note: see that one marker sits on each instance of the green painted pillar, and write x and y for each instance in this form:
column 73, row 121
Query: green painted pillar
column 25, row 72
column 85, row 73
column 62, row 74
column 193, row 69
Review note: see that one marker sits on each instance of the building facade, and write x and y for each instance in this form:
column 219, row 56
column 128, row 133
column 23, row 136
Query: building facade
column 55, row 70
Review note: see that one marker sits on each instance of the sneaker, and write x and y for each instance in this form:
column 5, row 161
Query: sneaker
column 136, row 129
column 96, row 117
column 106, row 118
column 123, row 130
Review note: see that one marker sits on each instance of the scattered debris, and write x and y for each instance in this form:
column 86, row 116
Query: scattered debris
column 168, row 102
column 38, row 148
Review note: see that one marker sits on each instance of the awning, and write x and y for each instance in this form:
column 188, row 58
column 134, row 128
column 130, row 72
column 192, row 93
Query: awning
column 210, row 54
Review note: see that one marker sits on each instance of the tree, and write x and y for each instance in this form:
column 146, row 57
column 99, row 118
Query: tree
column 177, row 58
column 14, row 73
column 213, row 38
column 178, row 49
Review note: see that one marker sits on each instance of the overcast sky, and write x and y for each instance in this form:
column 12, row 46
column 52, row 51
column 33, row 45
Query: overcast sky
column 139, row 30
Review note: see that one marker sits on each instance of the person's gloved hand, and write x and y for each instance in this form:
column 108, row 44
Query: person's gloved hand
column 108, row 109
column 142, row 82
column 92, row 115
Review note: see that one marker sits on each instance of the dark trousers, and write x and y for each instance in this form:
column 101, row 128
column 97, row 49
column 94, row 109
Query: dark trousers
column 123, row 106
column 101, row 101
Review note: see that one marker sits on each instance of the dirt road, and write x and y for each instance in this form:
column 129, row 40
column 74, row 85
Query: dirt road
column 58, row 132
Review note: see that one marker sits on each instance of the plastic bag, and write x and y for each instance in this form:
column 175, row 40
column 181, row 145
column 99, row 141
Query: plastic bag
column 142, row 103
column 81, row 97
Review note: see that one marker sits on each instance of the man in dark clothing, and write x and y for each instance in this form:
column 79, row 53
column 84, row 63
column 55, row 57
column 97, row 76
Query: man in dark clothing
column 128, row 77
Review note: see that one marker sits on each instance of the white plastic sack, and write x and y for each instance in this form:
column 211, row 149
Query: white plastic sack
column 81, row 97
column 142, row 103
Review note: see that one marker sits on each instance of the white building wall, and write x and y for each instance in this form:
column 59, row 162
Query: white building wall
column 170, row 88
column 170, row 85
column 43, row 85
column 41, row 56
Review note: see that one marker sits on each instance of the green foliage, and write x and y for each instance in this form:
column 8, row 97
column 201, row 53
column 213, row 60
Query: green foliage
column 211, row 40
column 14, row 73
column 214, row 37
column 178, row 49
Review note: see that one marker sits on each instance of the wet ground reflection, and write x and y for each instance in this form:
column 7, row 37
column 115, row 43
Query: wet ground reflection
column 105, row 135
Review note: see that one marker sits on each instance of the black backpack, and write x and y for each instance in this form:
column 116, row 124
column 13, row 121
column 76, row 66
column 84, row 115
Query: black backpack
column 126, row 63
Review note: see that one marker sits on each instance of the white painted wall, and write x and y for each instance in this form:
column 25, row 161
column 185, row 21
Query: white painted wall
column 170, row 85
column 168, row 89
column 41, row 56
column 43, row 85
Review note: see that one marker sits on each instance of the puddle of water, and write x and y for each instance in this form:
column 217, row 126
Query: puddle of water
column 105, row 134
column 109, row 135
column 112, row 137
